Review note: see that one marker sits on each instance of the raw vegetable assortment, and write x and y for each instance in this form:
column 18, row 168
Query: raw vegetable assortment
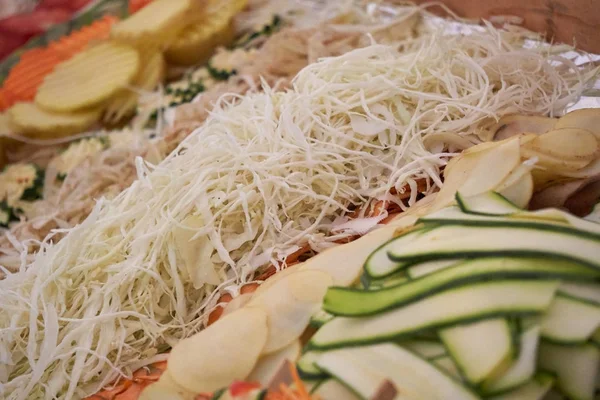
column 275, row 176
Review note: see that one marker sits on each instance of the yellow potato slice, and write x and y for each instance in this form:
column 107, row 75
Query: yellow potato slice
column 89, row 78
column 586, row 118
column 225, row 351
column 512, row 125
column 198, row 41
column 268, row 365
column 36, row 122
column 158, row 23
column 289, row 304
column 151, row 73
column 567, row 144
column 166, row 389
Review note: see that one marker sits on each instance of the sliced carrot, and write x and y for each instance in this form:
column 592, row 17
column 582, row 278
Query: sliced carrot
column 27, row 75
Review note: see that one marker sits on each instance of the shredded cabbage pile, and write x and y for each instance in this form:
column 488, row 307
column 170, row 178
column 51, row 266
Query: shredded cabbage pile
column 256, row 181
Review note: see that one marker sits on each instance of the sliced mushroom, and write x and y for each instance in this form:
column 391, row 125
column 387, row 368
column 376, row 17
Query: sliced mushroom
column 577, row 196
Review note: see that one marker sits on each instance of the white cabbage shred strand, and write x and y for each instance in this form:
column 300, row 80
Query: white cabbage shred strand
column 255, row 181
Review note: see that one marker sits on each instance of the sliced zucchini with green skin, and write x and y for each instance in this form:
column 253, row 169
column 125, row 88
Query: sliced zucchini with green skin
column 459, row 305
column 355, row 302
column 490, row 203
column 425, row 348
column 575, row 367
column 420, row 270
column 334, row 390
column 363, row 369
column 463, row 240
column 447, row 364
column 594, row 216
column 522, row 369
column 379, row 258
column 582, row 290
column 307, row 367
column 320, row 318
column 535, row 389
column 481, row 349
column 570, row 320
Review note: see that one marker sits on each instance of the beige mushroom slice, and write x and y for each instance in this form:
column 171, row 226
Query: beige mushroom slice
column 226, row 351
column 513, row 125
column 578, row 196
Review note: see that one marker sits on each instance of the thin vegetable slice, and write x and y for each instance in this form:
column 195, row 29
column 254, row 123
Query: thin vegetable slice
column 463, row 304
column 354, row 302
column 89, row 78
column 570, row 320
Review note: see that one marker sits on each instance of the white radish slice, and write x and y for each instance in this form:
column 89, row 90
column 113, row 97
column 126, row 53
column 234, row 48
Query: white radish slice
column 225, row 351
column 567, row 144
column 269, row 364
column 289, row 304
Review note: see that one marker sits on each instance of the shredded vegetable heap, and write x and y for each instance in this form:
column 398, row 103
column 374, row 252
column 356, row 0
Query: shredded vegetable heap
column 257, row 180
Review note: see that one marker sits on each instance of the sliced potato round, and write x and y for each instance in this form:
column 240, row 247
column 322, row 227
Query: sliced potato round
column 586, row 118
column 198, row 41
column 513, row 125
column 268, row 365
column 151, row 73
column 289, row 304
column 89, row 78
column 158, row 23
column 553, row 164
column 36, row 122
column 567, row 144
column 225, row 351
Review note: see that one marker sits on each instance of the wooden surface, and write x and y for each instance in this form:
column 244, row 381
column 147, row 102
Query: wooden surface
column 568, row 21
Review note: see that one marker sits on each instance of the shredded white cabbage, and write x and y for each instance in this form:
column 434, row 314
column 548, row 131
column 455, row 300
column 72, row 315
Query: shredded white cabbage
column 255, row 181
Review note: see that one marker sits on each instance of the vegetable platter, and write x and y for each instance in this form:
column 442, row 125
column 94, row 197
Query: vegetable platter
column 292, row 200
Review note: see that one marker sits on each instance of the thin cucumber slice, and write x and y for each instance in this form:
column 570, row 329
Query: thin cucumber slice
column 586, row 291
column 535, row 389
column 480, row 349
column 459, row 305
column 575, row 367
column 490, row 203
column 364, row 368
column 420, row 270
column 355, row 302
column 447, row 364
column 483, row 240
column 425, row 348
column 522, row 369
column 570, row 320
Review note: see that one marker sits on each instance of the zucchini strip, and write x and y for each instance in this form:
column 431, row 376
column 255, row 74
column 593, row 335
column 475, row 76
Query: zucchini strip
column 484, row 239
column 459, row 305
column 355, row 302
column 363, row 369
column 480, row 349
column 570, row 320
